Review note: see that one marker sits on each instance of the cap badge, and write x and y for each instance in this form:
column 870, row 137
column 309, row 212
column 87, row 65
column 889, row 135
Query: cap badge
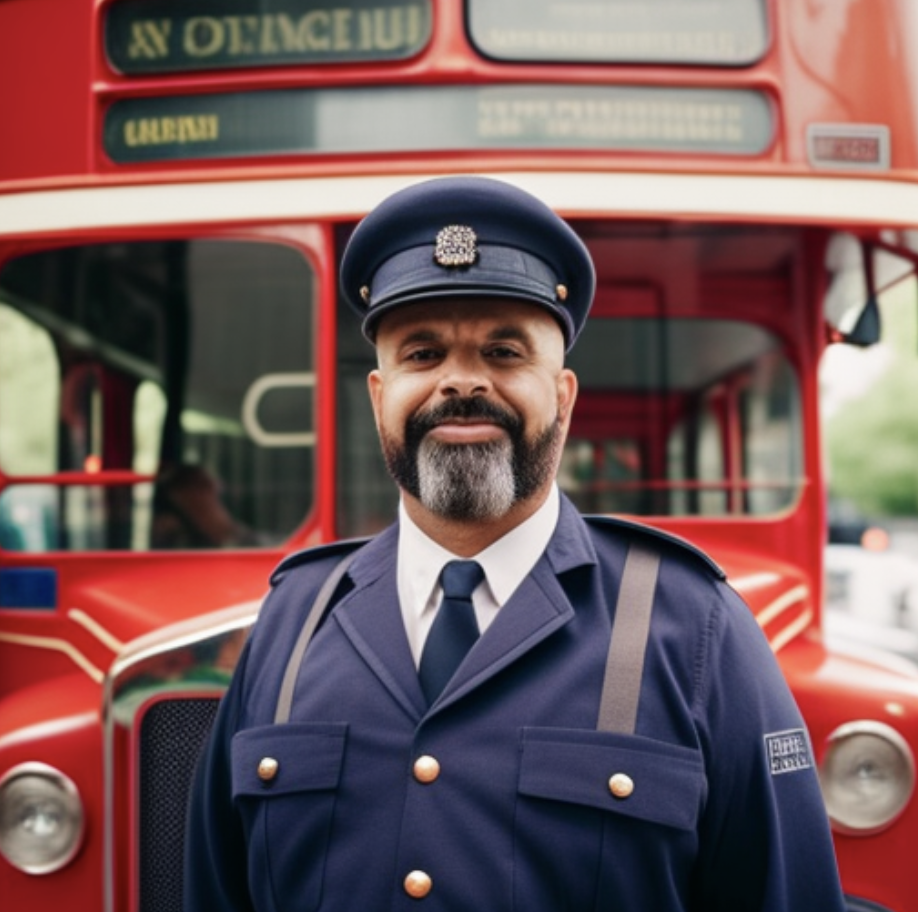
column 456, row 246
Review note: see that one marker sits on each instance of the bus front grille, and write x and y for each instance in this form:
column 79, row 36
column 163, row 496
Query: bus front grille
column 172, row 734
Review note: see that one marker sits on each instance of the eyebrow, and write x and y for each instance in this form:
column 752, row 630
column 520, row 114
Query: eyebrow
column 507, row 332
column 501, row 332
column 512, row 332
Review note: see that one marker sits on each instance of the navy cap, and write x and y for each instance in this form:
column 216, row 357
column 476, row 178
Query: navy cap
column 467, row 236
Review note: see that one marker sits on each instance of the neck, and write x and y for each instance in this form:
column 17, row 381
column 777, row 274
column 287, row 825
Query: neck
column 466, row 538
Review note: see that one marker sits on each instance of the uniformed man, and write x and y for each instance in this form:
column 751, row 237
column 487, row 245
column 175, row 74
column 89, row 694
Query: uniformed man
column 497, row 704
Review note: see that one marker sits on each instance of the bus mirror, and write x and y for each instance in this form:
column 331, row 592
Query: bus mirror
column 850, row 304
column 866, row 329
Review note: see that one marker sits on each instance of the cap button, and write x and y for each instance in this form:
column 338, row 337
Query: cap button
column 267, row 769
column 621, row 785
column 418, row 884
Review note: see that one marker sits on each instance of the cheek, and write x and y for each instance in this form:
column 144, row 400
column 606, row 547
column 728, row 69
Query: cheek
column 394, row 403
column 538, row 402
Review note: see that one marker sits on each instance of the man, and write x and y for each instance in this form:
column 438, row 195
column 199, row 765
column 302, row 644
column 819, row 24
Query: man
column 579, row 718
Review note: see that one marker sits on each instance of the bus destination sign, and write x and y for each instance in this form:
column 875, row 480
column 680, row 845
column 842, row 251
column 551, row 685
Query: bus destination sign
column 165, row 36
column 684, row 32
column 343, row 121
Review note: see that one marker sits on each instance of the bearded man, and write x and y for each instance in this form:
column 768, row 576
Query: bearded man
column 497, row 704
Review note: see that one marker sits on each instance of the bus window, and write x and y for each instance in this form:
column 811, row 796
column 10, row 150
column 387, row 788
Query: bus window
column 683, row 417
column 687, row 404
column 712, row 32
column 184, row 366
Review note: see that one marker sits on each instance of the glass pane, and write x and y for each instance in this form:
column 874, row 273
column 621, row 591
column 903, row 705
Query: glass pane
column 683, row 416
column 187, row 361
column 688, row 405
column 29, row 393
column 721, row 32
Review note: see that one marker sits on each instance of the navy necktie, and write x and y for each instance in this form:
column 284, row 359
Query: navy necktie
column 454, row 629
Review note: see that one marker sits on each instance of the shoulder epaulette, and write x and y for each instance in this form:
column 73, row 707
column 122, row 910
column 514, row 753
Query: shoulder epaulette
column 631, row 527
column 317, row 552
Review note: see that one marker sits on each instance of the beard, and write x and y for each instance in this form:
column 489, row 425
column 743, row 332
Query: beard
column 471, row 481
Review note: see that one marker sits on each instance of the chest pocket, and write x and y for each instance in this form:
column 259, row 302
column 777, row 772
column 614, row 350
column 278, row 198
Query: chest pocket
column 599, row 815
column 621, row 774
column 284, row 783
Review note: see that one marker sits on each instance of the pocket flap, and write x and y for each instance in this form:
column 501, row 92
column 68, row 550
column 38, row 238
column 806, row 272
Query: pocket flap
column 294, row 757
column 663, row 783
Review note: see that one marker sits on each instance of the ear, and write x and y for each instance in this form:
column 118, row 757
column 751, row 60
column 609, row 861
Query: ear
column 375, row 387
column 567, row 395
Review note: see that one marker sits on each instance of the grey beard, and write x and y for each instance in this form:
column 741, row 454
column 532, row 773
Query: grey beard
column 472, row 481
column 466, row 481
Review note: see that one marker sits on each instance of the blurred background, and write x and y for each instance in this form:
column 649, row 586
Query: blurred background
column 870, row 424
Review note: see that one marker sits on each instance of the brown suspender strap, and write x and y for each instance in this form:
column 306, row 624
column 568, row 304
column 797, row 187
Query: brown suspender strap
column 319, row 606
column 621, row 689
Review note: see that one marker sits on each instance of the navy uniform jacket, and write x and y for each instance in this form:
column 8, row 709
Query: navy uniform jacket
column 520, row 816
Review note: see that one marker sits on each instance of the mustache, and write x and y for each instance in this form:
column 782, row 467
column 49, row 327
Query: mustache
column 468, row 408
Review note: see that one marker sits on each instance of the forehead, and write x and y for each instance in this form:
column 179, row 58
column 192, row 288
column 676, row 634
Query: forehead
column 474, row 315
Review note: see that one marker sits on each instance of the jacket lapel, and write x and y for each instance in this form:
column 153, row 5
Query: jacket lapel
column 370, row 617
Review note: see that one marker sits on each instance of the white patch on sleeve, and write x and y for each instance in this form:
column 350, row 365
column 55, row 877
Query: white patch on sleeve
column 788, row 751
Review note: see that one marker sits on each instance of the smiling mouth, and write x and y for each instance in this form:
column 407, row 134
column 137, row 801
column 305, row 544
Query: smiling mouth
column 468, row 430
column 462, row 421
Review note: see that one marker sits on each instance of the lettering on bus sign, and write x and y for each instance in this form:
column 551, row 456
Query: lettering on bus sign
column 342, row 121
column 699, row 32
column 859, row 146
column 175, row 36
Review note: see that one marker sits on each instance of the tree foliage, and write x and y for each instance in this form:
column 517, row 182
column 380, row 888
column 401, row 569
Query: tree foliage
column 872, row 440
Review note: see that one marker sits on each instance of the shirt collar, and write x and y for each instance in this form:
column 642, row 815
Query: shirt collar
column 506, row 562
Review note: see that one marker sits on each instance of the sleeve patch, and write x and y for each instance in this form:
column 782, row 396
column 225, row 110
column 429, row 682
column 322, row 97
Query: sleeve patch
column 788, row 751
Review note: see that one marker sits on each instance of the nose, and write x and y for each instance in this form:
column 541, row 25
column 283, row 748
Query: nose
column 464, row 377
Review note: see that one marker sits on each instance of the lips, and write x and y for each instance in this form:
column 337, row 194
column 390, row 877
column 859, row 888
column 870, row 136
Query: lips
column 462, row 419
column 475, row 431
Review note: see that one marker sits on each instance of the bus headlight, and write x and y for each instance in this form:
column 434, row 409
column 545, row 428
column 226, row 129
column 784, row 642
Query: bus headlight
column 867, row 776
column 41, row 818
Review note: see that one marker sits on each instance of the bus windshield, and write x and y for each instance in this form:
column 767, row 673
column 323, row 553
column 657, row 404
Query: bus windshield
column 689, row 402
column 156, row 367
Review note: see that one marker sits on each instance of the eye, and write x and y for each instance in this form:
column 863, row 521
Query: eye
column 503, row 352
column 423, row 354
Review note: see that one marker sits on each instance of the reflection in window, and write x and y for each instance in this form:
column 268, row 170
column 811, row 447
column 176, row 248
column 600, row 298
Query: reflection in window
column 142, row 358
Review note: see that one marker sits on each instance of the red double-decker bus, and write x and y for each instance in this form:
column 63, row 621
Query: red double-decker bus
column 182, row 392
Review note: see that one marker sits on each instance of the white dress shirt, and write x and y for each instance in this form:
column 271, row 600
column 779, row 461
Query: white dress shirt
column 505, row 563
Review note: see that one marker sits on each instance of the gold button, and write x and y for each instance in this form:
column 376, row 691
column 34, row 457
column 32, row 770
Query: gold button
column 621, row 785
column 418, row 884
column 267, row 769
column 426, row 769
